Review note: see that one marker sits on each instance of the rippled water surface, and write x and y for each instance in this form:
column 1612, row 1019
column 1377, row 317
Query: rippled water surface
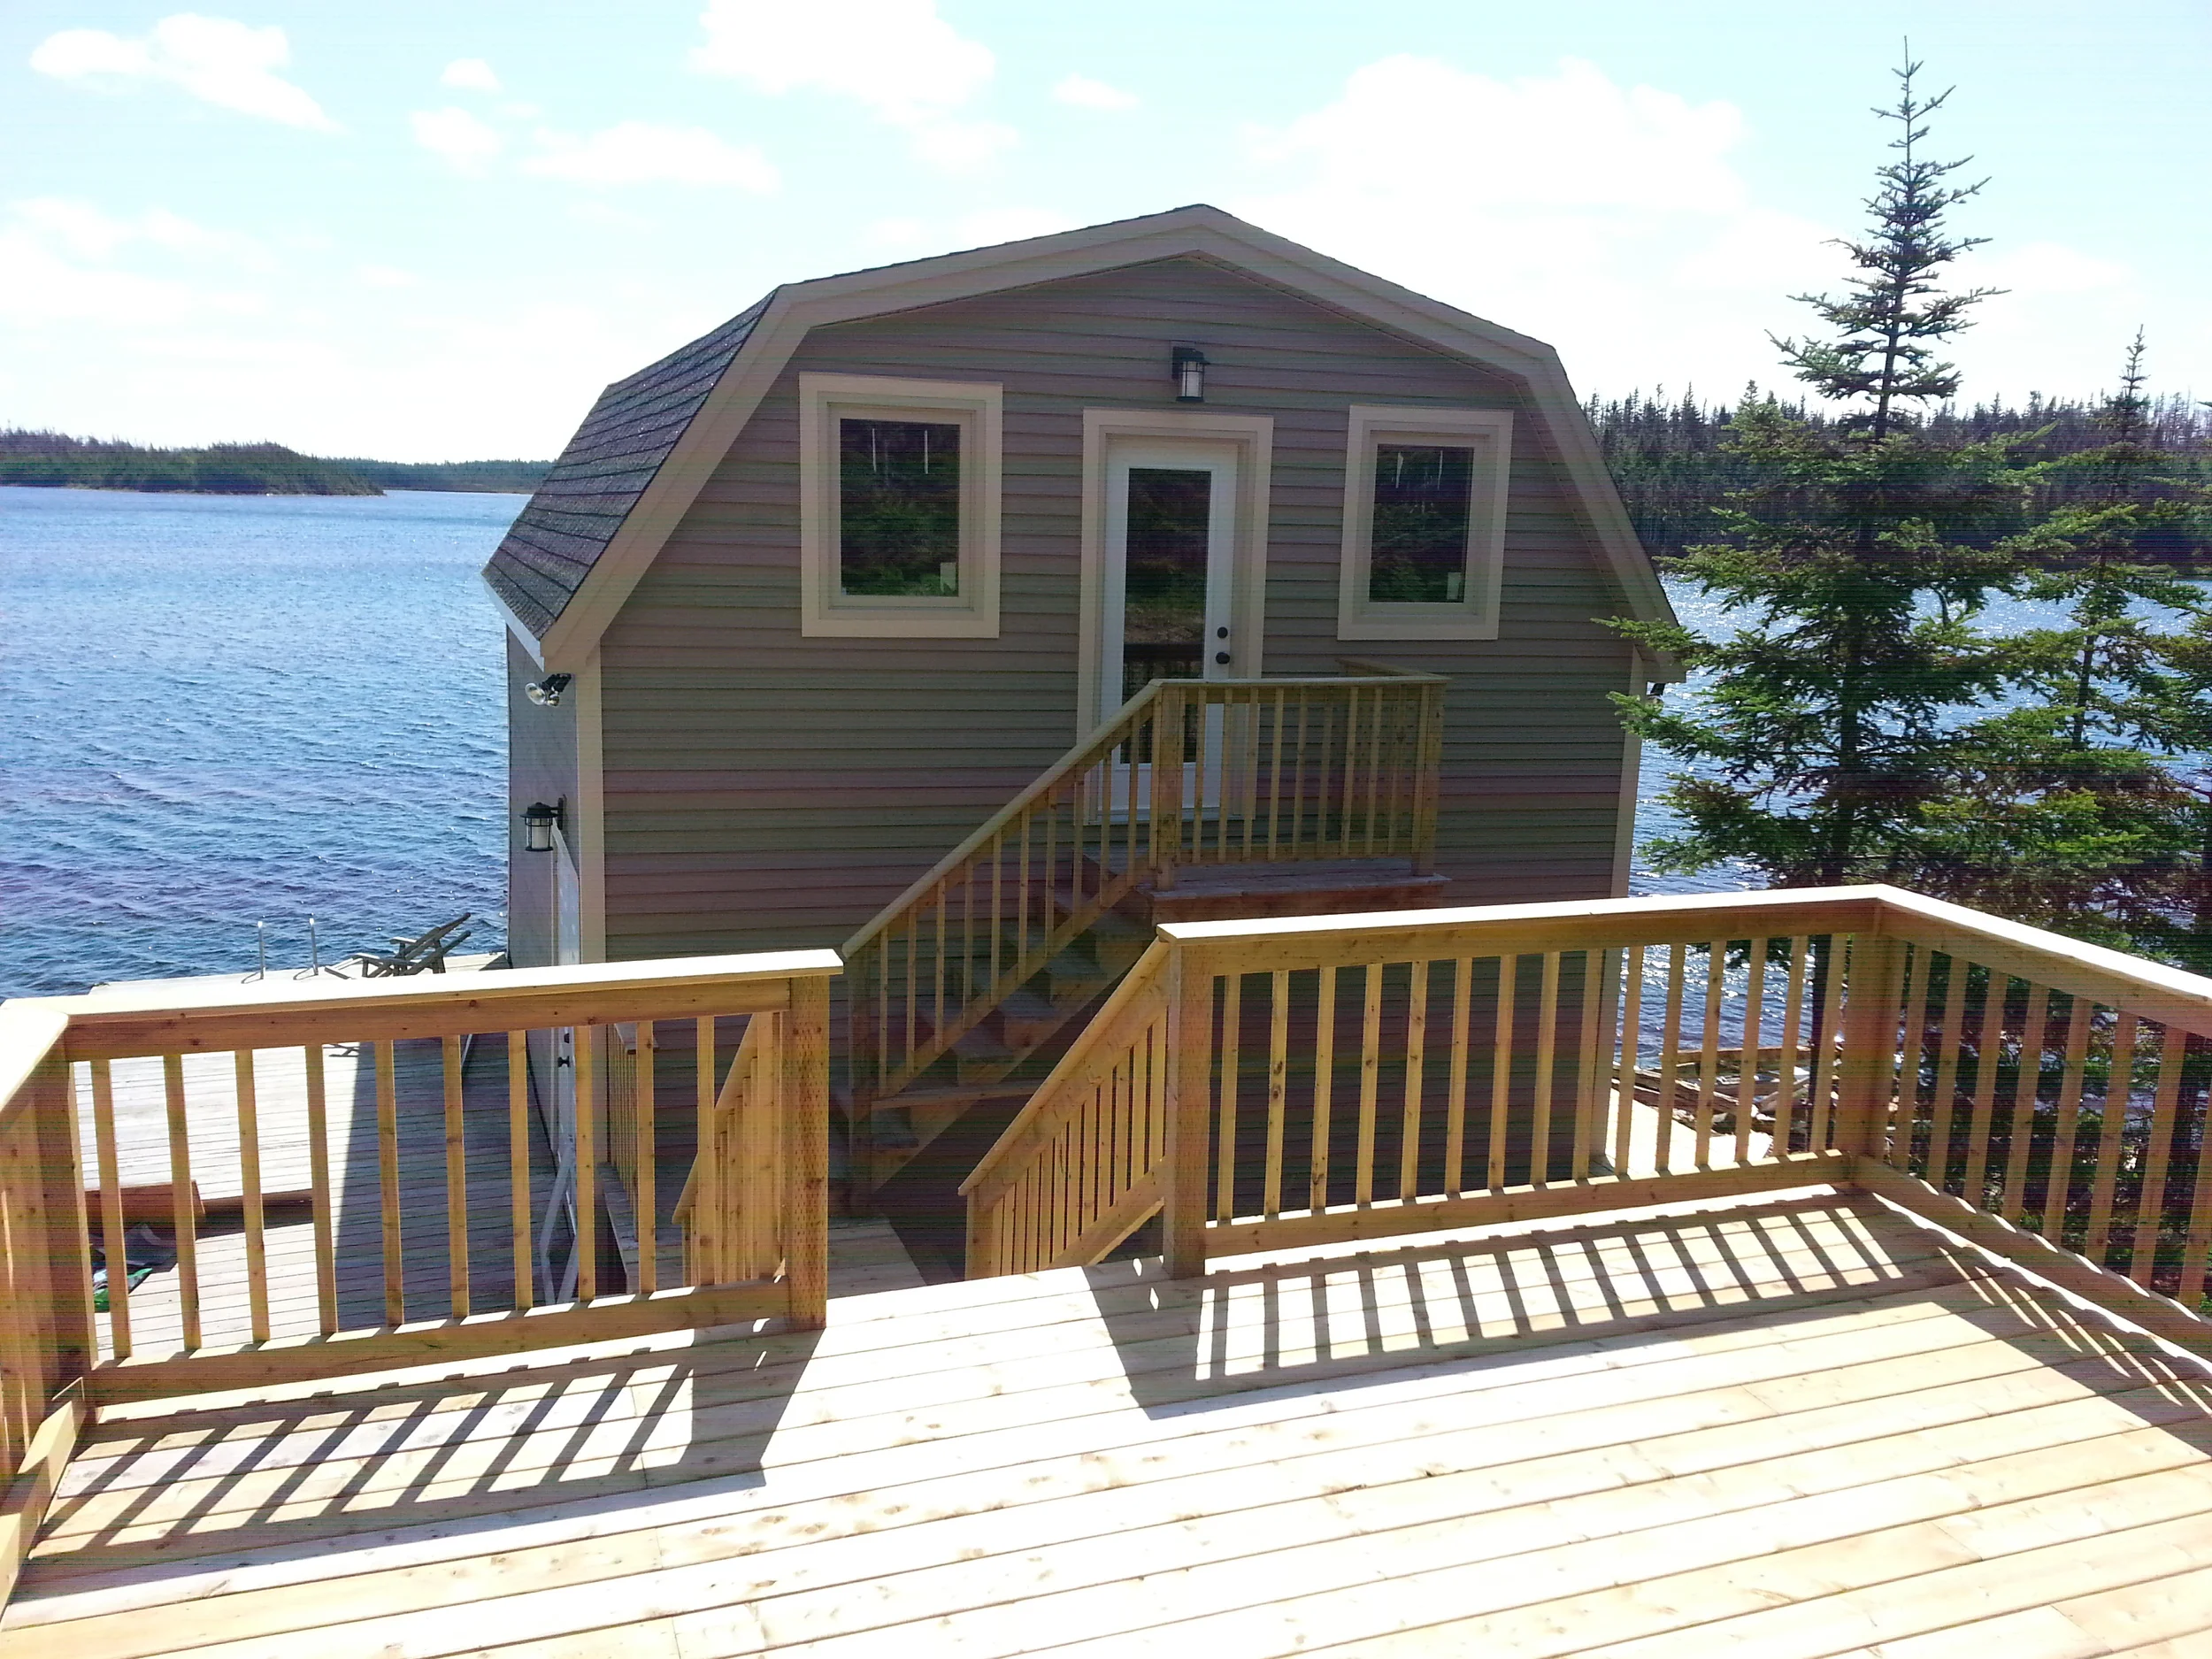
column 220, row 711
column 226, row 710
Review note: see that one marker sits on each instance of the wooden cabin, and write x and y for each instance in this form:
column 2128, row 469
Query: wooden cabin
column 870, row 619
column 824, row 589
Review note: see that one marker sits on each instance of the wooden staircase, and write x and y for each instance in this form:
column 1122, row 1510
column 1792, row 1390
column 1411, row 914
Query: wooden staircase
column 1199, row 798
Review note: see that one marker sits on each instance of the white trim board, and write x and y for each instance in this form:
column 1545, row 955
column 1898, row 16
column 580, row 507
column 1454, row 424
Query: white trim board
column 1199, row 232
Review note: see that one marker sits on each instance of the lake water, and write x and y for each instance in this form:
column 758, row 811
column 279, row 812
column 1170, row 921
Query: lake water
column 221, row 710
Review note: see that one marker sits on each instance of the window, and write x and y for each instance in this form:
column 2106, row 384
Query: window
column 1423, row 522
column 899, row 507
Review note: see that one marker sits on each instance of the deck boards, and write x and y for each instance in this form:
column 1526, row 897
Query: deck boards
column 1797, row 1425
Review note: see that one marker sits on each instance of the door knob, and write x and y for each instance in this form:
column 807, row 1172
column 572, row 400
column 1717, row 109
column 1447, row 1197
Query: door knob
column 1221, row 656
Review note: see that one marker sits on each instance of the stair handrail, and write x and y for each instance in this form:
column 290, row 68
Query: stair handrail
column 1117, row 730
column 1367, row 788
column 1126, row 1191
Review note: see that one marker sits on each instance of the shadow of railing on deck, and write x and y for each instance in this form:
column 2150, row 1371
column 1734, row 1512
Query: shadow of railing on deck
column 159, row 1494
column 1509, row 1299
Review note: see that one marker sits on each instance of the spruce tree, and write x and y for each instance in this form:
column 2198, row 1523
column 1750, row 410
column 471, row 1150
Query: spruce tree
column 1851, row 570
column 2084, row 810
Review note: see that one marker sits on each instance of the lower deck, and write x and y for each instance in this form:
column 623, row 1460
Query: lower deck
column 1796, row 1425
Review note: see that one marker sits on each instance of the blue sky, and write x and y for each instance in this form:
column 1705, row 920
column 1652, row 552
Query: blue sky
column 427, row 231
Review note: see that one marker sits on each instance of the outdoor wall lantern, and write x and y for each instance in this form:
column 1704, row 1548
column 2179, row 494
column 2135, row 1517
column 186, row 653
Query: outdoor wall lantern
column 538, row 820
column 1187, row 365
column 547, row 693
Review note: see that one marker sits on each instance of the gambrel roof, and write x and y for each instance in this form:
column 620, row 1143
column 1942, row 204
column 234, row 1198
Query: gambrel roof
column 652, row 441
column 607, row 465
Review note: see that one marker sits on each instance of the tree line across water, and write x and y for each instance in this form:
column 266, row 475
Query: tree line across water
column 1677, row 461
column 55, row 460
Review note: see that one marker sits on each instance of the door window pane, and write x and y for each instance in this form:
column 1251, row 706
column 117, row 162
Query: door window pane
column 1164, row 611
column 898, row 507
column 1424, row 497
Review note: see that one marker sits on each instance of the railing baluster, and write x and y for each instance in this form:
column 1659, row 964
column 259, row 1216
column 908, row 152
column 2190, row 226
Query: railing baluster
column 1455, row 1099
column 1546, row 1047
column 319, row 1174
column 2150, row 1208
column 1786, row 1065
column 1370, row 1079
column 647, row 1195
column 114, row 1250
column 1950, row 1040
column 1827, row 1048
column 1588, row 1126
column 587, row 1164
column 183, row 1208
column 387, row 1183
column 456, row 1198
column 1981, row 1120
column 1231, row 1034
column 2027, row 1087
column 1631, row 1054
column 2080, row 1026
column 1277, row 1088
column 518, row 1205
column 1753, row 1045
column 249, row 1184
column 1275, row 776
column 1709, row 1051
column 2111, row 1134
column 1670, row 1059
column 1324, row 1082
column 2198, row 1243
column 1502, row 1070
column 1417, row 1053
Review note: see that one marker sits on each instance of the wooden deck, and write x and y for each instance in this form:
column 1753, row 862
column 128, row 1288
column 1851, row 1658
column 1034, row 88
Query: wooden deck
column 1795, row 1425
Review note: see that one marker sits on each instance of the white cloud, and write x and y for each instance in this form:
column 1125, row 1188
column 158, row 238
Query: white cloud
column 1086, row 94
column 641, row 152
column 1613, row 222
column 467, row 143
column 386, row 276
column 470, row 74
column 215, row 60
column 64, row 260
column 897, row 58
column 1610, row 220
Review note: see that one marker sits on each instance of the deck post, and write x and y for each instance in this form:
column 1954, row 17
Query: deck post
column 1189, row 1117
column 72, row 1335
column 1867, row 1068
column 805, row 1104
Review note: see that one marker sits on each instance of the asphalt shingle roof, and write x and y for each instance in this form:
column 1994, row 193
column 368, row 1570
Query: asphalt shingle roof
column 604, row 471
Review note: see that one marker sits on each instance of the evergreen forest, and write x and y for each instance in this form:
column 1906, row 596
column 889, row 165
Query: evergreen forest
column 56, row 461
column 1675, row 466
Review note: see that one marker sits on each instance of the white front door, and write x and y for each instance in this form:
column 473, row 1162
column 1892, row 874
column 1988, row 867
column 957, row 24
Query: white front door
column 1171, row 541
column 1169, row 609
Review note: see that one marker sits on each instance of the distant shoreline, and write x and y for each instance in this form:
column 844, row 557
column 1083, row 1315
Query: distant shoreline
column 51, row 460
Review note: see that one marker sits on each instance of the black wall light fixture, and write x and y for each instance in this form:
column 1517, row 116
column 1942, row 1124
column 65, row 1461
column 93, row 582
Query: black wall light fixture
column 547, row 693
column 537, row 822
column 1187, row 365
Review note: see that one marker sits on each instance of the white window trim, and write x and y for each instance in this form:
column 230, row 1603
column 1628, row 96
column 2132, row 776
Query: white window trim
column 1474, row 616
column 825, row 612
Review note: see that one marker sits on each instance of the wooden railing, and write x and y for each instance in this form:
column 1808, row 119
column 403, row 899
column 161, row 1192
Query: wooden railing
column 331, row 1176
column 1079, row 1170
column 1276, row 1084
column 1187, row 773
